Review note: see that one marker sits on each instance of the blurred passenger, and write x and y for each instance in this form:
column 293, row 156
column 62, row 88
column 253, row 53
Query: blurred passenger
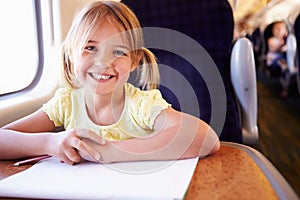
column 276, row 56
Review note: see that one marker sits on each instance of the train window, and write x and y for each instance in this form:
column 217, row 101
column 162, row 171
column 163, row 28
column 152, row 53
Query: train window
column 19, row 47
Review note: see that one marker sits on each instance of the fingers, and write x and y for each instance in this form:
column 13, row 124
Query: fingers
column 76, row 150
column 88, row 157
column 80, row 146
column 86, row 149
column 71, row 157
column 74, row 143
column 83, row 133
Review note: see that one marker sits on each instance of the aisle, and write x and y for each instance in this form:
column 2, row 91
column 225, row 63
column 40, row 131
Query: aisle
column 279, row 129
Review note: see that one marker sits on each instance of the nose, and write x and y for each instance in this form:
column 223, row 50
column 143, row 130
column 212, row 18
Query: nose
column 103, row 62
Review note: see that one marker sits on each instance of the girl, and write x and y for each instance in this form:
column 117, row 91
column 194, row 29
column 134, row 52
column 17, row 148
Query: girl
column 276, row 56
column 106, row 119
column 277, row 44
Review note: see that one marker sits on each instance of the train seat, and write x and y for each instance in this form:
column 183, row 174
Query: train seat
column 210, row 24
column 291, row 52
column 256, row 40
column 291, row 62
column 243, row 76
column 297, row 36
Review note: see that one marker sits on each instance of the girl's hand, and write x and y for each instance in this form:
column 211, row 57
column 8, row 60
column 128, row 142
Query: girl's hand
column 284, row 48
column 98, row 148
column 67, row 144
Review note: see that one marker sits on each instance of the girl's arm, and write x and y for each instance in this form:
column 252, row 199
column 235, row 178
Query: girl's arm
column 178, row 136
column 275, row 45
column 32, row 136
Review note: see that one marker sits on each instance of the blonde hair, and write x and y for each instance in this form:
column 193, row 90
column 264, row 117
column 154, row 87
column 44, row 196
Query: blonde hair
column 88, row 19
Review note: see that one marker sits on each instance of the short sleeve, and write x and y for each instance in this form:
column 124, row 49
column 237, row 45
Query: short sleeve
column 149, row 104
column 59, row 107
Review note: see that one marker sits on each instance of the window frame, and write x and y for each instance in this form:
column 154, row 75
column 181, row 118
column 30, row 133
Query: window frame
column 38, row 26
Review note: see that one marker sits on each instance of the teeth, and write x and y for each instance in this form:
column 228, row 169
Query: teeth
column 100, row 76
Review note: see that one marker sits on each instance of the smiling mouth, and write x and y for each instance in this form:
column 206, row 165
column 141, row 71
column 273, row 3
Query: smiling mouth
column 101, row 77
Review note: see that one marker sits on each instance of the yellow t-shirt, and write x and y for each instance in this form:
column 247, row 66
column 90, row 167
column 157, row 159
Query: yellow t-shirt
column 67, row 108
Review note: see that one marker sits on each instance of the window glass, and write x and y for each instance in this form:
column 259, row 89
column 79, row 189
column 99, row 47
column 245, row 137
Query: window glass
column 18, row 49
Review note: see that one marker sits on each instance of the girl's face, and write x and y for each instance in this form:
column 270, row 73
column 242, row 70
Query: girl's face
column 279, row 30
column 105, row 62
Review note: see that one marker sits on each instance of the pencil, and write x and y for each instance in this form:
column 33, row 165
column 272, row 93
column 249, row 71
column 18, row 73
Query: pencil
column 31, row 160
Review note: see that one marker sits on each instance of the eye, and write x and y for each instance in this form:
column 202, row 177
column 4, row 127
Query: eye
column 119, row 53
column 91, row 48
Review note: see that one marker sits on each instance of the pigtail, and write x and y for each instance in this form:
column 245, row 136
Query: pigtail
column 149, row 77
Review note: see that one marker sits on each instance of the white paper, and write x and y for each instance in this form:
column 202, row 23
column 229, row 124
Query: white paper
column 51, row 179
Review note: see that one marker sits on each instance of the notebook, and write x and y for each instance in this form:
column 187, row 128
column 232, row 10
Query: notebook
column 52, row 179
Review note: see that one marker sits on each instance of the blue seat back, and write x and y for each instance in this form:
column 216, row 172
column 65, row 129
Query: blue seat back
column 210, row 23
column 297, row 35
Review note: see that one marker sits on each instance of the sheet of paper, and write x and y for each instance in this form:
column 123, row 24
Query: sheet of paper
column 130, row 180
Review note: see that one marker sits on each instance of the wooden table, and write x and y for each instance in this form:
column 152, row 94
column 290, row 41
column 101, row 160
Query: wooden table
column 231, row 173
